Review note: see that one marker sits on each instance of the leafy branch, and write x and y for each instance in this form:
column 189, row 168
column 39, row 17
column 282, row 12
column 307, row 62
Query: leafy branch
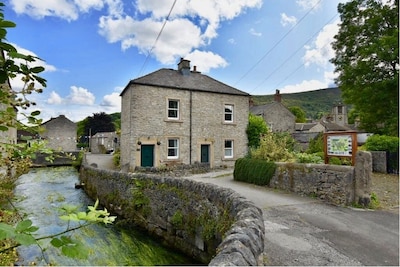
column 23, row 233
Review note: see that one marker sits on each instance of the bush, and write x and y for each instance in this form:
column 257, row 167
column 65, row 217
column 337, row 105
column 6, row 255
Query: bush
column 309, row 158
column 255, row 171
column 275, row 148
column 378, row 142
column 316, row 144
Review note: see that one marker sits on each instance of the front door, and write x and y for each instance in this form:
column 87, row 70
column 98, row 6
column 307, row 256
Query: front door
column 205, row 154
column 147, row 156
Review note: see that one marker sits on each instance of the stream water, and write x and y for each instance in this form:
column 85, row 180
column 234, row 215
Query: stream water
column 42, row 191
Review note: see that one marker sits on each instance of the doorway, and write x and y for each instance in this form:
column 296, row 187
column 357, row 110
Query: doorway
column 205, row 154
column 147, row 156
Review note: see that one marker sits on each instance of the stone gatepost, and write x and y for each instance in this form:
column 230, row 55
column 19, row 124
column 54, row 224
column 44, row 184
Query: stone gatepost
column 362, row 178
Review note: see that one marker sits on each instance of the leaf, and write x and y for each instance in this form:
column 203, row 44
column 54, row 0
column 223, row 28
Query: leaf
column 56, row 242
column 37, row 69
column 35, row 113
column 25, row 239
column 21, row 226
column 6, row 231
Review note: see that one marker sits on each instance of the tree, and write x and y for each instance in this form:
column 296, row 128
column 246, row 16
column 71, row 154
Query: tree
column 299, row 113
column 99, row 122
column 255, row 129
column 367, row 62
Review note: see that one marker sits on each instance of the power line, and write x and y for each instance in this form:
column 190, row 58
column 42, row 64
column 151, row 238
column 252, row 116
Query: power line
column 292, row 55
column 158, row 37
column 277, row 43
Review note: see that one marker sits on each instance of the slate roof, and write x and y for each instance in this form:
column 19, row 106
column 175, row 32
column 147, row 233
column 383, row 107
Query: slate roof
column 195, row 81
column 261, row 109
column 304, row 126
column 330, row 126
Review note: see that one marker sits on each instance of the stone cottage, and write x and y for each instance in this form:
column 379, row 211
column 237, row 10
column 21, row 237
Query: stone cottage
column 277, row 117
column 60, row 134
column 182, row 117
column 104, row 142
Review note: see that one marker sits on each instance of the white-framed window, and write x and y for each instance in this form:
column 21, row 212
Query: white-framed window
column 228, row 149
column 173, row 109
column 228, row 113
column 173, row 148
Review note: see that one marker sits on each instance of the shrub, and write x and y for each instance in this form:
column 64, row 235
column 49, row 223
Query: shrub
column 256, row 128
column 309, row 158
column 382, row 143
column 274, row 147
column 255, row 171
column 316, row 144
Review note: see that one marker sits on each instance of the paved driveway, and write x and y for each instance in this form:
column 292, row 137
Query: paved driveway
column 305, row 231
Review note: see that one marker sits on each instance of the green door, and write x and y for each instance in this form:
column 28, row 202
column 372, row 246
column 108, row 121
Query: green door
column 147, row 155
column 205, row 154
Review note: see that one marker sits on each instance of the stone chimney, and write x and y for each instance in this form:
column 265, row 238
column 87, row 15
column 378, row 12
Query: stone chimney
column 184, row 66
column 278, row 96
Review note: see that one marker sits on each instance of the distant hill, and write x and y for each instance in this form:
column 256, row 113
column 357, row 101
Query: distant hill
column 312, row 102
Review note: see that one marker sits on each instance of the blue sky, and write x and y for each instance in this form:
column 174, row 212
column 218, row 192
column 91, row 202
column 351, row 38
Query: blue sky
column 92, row 48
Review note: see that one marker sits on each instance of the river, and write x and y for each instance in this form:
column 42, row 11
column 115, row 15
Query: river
column 42, row 191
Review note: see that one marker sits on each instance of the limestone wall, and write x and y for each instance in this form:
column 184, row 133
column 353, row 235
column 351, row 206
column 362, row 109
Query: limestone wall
column 339, row 185
column 211, row 224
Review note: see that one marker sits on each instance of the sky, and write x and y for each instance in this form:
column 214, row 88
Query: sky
column 91, row 49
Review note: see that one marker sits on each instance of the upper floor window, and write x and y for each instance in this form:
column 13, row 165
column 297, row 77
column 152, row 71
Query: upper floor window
column 173, row 109
column 228, row 115
column 228, row 149
column 173, row 148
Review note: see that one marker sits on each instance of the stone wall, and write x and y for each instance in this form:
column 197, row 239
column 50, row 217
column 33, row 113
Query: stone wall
column 339, row 185
column 211, row 224
column 379, row 161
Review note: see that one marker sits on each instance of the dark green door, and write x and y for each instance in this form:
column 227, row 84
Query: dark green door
column 147, row 155
column 205, row 154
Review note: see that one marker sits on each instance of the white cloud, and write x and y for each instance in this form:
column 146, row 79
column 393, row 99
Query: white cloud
column 254, row 32
column 308, row 4
column 181, row 35
column 81, row 96
column 288, row 20
column 204, row 61
column 231, row 41
column 86, row 5
column 54, row 99
column 112, row 102
column 310, row 85
column 321, row 50
column 39, row 9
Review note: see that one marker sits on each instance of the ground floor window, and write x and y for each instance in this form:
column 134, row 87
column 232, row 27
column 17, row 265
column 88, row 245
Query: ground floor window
column 228, row 149
column 173, row 148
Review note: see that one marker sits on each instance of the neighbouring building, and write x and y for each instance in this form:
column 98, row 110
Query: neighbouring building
column 182, row 117
column 60, row 134
column 277, row 117
column 104, row 142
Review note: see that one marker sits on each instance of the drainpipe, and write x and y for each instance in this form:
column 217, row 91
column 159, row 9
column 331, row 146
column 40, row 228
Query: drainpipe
column 190, row 129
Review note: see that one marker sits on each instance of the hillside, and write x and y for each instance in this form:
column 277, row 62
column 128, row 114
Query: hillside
column 312, row 102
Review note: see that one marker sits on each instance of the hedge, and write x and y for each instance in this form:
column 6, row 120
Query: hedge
column 255, row 171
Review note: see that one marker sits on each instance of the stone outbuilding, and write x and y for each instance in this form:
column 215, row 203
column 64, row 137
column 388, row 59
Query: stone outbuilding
column 277, row 117
column 104, row 142
column 181, row 116
column 60, row 134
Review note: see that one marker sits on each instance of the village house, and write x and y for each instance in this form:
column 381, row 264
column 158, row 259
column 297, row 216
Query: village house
column 182, row 117
column 277, row 117
column 60, row 134
column 103, row 142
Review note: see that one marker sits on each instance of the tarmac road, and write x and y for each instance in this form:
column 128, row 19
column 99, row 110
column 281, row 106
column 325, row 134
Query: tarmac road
column 305, row 231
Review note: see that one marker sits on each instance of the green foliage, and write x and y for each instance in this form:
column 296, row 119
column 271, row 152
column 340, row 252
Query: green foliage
column 177, row 219
column 367, row 59
column 299, row 113
column 255, row 171
column 314, row 103
column 117, row 158
column 375, row 203
column 275, row 148
column 99, row 122
column 309, row 158
column 382, row 143
column 316, row 145
column 255, row 129
column 23, row 233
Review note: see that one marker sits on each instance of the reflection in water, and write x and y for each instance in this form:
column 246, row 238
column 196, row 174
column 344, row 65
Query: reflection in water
column 40, row 192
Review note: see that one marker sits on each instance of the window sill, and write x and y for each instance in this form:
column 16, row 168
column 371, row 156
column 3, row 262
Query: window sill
column 170, row 120
column 229, row 123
